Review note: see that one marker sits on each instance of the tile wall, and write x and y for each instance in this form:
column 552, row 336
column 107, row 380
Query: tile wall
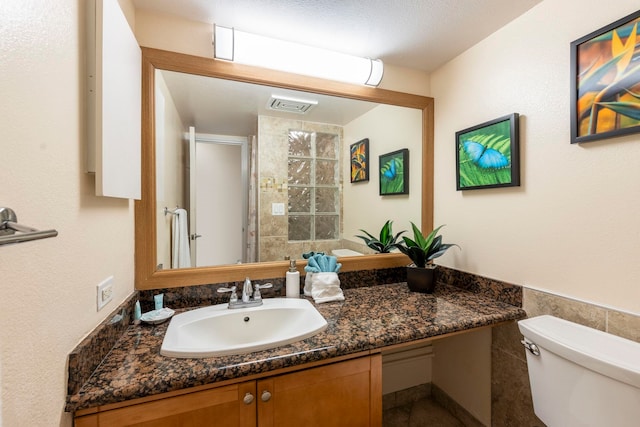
column 273, row 153
column 511, row 395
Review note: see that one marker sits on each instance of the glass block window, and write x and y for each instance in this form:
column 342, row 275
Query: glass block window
column 314, row 186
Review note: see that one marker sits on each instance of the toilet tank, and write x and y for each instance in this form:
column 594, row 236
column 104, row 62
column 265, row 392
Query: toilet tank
column 581, row 376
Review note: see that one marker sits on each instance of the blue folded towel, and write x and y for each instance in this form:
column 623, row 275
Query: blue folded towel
column 308, row 255
column 321, row 263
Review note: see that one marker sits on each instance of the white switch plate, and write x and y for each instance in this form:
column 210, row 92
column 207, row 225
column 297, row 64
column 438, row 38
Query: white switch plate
column 277, row 209
column 105, row 292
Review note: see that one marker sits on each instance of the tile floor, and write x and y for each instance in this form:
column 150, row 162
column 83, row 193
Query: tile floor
column 423, row 412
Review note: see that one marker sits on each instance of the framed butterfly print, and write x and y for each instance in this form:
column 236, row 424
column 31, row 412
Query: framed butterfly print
column 488, row 155
column 394, row 173
column 360, row 160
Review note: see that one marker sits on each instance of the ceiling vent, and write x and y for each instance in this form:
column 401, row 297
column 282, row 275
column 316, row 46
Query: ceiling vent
column 290, row 105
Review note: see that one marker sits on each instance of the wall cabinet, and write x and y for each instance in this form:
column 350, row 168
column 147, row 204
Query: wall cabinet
column 114, row 99
column 345, row 393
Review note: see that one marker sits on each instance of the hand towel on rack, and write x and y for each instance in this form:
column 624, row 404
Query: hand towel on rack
column 180, row 253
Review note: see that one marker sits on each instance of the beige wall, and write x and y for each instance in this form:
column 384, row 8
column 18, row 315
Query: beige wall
column 572, row 226
column 49, row 286
column 170, row 184
column 389, row 128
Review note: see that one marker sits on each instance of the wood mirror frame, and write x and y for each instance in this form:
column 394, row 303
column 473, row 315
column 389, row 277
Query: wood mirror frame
column 146, row 274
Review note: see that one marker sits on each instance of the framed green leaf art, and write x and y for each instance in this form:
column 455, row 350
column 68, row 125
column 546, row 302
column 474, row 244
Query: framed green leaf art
column 605, row 81
column 488, row 155
column 360, row 160
column 394, row 173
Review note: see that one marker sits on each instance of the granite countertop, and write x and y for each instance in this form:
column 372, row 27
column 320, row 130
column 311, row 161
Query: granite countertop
column 370, row 318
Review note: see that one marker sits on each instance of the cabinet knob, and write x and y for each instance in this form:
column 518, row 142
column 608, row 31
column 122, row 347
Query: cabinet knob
column 248, row 398
column 265, row 396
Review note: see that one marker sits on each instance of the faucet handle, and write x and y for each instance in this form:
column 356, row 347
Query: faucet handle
column 256, row 294
column 234, row 295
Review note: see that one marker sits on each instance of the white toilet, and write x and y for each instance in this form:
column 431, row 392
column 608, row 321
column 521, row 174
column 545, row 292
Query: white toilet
column 581, row 376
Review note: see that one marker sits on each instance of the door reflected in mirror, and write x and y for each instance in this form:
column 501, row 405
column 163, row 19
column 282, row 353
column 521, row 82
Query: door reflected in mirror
column 261, row 183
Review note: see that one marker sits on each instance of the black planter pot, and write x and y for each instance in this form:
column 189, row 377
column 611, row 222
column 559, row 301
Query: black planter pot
column 421, row 279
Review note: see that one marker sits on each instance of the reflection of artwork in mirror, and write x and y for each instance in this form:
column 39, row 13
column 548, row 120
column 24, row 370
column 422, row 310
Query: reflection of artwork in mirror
column 360, row 160
column 394, row 173
column 605, row 81
column 487, row 155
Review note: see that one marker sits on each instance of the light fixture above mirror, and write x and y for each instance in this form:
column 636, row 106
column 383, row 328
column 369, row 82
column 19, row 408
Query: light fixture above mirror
column 251, row 49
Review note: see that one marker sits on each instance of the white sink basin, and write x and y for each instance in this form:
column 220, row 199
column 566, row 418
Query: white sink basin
column 219, row 331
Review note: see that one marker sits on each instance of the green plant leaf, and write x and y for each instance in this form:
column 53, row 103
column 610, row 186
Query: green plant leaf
column 410, row 243
column 422, row 250
column 387, row 240
column 430, row 238
column 419, row 238
column 418, row 256
column 441, row 250
column 367, row 233
column 385, row 231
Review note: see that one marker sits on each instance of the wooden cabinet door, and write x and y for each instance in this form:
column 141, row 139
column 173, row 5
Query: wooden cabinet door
column 345, row 394
column 221, row 407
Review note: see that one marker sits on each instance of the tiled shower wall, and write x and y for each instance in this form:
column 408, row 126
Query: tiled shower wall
column 273, row 152
column 510, row 392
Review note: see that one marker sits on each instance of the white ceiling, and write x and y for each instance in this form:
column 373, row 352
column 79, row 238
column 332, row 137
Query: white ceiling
column 225, row 107
column 419, row 34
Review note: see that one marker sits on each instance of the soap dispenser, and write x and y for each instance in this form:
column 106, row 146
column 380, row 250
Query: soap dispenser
column 293, row 280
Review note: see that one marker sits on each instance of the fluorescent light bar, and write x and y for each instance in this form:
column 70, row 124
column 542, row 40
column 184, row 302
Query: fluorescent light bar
column 250, row 49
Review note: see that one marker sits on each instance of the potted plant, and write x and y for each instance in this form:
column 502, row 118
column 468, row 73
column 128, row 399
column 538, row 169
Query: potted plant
column 422, row 251
column 385, row 242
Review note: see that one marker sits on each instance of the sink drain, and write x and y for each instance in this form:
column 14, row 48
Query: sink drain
column 246, row 319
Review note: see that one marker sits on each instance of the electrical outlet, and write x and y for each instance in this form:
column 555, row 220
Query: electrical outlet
column 105, row 292
column 277, row 209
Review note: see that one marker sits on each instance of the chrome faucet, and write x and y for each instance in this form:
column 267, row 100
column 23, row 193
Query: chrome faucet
column 251, row 296
column 247, row 290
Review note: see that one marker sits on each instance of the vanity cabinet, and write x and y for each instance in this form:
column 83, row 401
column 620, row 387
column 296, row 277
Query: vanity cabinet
column 345, row 393
column 222, row 406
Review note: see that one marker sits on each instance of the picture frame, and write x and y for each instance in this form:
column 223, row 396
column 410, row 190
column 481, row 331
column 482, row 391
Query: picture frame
column 488, row 154
column 605, row 83
column 359, row 167
column 394, row 172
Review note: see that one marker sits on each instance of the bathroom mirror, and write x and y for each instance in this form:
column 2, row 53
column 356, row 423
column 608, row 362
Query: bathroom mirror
column 150, row 219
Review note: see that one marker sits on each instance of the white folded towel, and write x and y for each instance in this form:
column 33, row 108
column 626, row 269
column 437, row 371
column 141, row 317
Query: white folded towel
column 325, row 287
column 180, row 253
column 308, row 279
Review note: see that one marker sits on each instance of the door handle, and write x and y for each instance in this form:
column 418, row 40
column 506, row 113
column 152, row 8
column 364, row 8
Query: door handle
column 195, row 236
